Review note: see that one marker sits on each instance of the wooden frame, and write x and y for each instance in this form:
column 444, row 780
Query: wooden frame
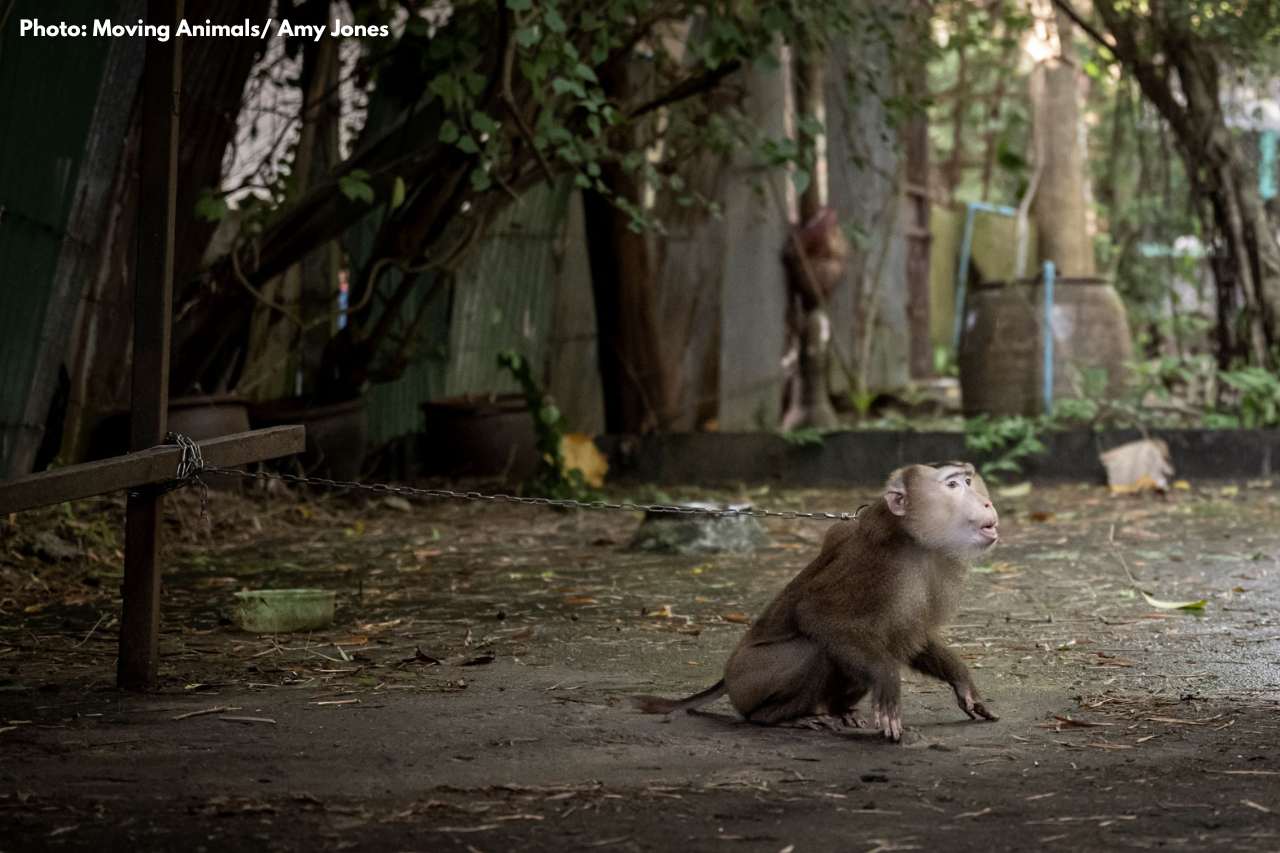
column 150, row 463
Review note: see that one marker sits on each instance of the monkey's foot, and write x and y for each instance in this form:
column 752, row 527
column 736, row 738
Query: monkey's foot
column 824, row 722
column 852, row 721
column 971, row 706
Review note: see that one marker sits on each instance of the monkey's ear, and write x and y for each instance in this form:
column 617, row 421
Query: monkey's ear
column 895, row 492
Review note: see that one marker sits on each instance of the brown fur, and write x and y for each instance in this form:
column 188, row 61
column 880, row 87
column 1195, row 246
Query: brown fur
column 871, row 602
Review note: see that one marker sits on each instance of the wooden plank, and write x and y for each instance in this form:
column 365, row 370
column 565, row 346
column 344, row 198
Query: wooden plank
column 153, row 465
column 152, row 319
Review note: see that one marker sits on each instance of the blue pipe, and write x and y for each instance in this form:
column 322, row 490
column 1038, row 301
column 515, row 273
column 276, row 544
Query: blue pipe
column 962, row 271
column 1050, row 273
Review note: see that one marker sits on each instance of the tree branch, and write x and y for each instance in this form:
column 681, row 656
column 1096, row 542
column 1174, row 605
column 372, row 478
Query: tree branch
column 1083, row 24
column 686, row 89
column 509, row 98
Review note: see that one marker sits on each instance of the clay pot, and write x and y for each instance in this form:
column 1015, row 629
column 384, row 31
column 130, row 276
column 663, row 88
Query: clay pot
column 337, row 433
column 480, row 437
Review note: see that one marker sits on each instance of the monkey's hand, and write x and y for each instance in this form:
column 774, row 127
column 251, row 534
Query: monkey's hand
column 889, row 721
column 969, row 703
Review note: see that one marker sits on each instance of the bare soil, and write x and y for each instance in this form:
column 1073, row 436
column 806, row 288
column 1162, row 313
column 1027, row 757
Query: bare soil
column 472, row 692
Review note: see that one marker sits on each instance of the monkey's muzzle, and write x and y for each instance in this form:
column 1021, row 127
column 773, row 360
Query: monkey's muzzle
column 990, row 531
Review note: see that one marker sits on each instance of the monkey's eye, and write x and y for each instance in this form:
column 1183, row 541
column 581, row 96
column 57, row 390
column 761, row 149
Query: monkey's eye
column 951, row 484
column 968, row 481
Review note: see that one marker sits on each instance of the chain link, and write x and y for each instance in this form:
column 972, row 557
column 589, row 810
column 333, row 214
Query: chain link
column 191, row 465
column 562, row 503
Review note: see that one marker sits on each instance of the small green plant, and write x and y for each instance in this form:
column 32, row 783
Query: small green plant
column 944, row 361
column 1257, row 393
column 1007, row 440
column 552, row 479
column 861, row 400
column 803, row 437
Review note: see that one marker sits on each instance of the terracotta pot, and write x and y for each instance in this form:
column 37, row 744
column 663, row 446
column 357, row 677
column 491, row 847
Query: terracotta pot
column 200, row 417
column 208, row 416
column 337, row 433
column 479, row 437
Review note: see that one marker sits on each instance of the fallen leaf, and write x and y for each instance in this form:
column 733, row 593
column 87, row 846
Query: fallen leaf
column 736, row 618
column 419, row 656
column 1161, row 604
column 579, row 599
column 580, row 453
column 478, row 659
column 1018, row 490
column 1069, row 723
column 979, row 813
column 397, row 503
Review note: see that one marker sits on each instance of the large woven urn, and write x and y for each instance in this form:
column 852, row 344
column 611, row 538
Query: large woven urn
column 1001, row 356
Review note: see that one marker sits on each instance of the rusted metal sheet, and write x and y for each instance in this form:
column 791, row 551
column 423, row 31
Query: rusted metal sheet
column 505, row 294
column 49, row 199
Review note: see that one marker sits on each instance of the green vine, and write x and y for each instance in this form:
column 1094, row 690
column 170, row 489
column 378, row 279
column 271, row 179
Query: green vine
column 552, row 480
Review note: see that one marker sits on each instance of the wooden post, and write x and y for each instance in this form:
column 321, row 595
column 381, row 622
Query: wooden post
column 152, row 318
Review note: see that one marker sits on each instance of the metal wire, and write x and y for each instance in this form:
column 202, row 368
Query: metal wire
column 562, row 503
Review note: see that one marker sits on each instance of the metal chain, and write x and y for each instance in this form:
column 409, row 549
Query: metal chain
column 563, row 503
column 190, row 467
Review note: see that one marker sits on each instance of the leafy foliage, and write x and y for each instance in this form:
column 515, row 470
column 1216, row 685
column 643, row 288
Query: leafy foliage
column 1257, row 393
column 1006, row 441
column 471, row 104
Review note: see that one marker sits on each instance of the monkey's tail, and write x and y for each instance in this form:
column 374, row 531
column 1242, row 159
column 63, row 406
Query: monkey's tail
column 659, row 705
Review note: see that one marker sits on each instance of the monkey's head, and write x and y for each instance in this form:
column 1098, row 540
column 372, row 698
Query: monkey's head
column 945, row 506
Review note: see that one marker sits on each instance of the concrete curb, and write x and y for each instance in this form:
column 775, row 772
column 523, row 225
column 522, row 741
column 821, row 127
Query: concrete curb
column 864, row 458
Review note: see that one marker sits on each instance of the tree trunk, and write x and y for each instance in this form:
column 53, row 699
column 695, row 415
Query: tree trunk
column 632, row 373
column 810, row 404
column 1245, row 254
column 283, row 347
column 1059, row 208
column 319, row 287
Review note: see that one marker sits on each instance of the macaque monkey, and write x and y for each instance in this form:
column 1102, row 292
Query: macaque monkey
column 826, row 254
column 872, row 601
column 815, row 258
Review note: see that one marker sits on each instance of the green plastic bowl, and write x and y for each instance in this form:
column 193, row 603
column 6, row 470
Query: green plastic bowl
column 279, row 611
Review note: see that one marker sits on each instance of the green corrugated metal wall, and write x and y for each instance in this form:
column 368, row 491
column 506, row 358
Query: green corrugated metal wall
column 503, row 299
column 505, row 295
column 47, row 99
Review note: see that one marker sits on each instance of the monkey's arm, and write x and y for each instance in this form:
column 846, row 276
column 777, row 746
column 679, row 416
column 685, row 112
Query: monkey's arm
column 867, row 668
column 937, row 660
column 863, row 661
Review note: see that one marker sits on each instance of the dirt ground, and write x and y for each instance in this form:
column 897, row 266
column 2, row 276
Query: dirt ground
column 472, row 694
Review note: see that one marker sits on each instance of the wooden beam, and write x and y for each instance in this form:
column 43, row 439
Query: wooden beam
column 153, row 465
column 152, row 320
